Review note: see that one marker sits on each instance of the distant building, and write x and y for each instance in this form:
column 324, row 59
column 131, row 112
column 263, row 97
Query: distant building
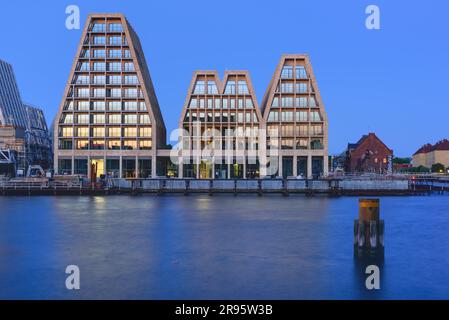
column 368, row 155
column 23, row 130
column 12, row 112
column 429, row 154
column 39, row 146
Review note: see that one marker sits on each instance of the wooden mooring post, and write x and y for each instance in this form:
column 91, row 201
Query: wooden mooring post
column 369, row 230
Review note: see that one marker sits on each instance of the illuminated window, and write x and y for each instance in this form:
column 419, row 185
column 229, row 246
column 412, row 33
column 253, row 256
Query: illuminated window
column 145, row 132
column 114, row 132
column 83, row 132
column 67, row 132
column 130, row 132
column 98, row 132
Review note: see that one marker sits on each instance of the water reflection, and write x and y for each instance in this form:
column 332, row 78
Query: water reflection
column 217, row 247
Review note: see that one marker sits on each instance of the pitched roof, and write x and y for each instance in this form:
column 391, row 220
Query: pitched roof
column 424, row 149
column 441, row 145
column 353, row 146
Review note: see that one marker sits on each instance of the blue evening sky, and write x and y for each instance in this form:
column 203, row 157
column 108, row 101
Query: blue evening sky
column 392, row 81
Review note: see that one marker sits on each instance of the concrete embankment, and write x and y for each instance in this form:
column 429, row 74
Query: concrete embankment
column 331, row 187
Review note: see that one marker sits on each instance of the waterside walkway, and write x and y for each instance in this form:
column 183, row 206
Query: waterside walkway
column 160, row 186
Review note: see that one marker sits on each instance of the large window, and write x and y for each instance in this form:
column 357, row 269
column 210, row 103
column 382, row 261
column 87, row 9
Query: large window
column 81, row 166
column 99, row 53
column 301, row 73
column 114, row 66
column 115, row 40
column 301, row 116
column 273, row 116
column 199, row 87
column 131, row 93
column 65, row 166
column 315, row 116
column 242, row 87
column 129, row 168
column 144, row 119
column 301, row 87
column 130, row 105
column 130, row 118
column 98, row 105
column 67, row 132
column 114, row 132
column 83, row 132
column 131, row 80
column 99, row 27
column 99, row 40
column 99, row 119
column 98, row 132
column 116, row 53
column 114, row 79
column 287, row 87
column 130, row 132
column 145, row 168
column 145, row 132
column 287, row 72
column 82, row 93
column 115, row 118
column 83, row 119
column 99, row 66
column 212, row 87
column 115, row 27
column 99, row 79
column 230, row 87
column 113, row 167
column 99, row 93
column 287, row 116
column 83, row 106
column 114, row 106
column 287, row 102
column 129, row 66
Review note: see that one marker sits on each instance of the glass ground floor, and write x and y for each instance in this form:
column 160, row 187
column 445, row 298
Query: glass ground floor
column 112, row 167
column 206, row 169
column 151, row 167
column 285, row 166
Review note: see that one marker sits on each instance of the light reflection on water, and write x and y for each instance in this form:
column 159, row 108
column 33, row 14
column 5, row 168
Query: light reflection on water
column 220, row 247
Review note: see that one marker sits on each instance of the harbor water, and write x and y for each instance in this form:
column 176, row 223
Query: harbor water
column 218, row 247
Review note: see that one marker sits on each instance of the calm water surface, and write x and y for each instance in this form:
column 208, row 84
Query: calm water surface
column 220, row 247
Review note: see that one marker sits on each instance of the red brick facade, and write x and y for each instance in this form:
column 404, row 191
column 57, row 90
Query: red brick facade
column 368, row 155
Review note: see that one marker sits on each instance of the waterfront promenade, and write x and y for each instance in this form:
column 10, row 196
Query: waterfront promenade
column 359, row 186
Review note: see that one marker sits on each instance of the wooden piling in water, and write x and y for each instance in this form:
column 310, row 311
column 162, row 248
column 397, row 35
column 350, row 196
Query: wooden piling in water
column 369, row 230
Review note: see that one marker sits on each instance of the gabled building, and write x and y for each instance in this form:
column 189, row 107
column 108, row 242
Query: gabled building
column 429, row 155
column 109, row 121
column 369, row 155
column 295, row 115
column 220, row 122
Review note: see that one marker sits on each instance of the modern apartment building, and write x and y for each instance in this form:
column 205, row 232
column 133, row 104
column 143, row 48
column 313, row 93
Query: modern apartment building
column 109, row 121
column 12, row 112
column 220, row 121
column 295, row 115
column 24, row 137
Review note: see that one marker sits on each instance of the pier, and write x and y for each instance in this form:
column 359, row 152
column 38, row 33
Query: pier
column 159, row 186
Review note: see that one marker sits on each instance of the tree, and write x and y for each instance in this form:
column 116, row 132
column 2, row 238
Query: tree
column 438, row 168
column 420, row 169
column 402, row 160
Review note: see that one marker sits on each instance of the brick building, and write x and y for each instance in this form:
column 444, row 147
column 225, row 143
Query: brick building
column 368, row 155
